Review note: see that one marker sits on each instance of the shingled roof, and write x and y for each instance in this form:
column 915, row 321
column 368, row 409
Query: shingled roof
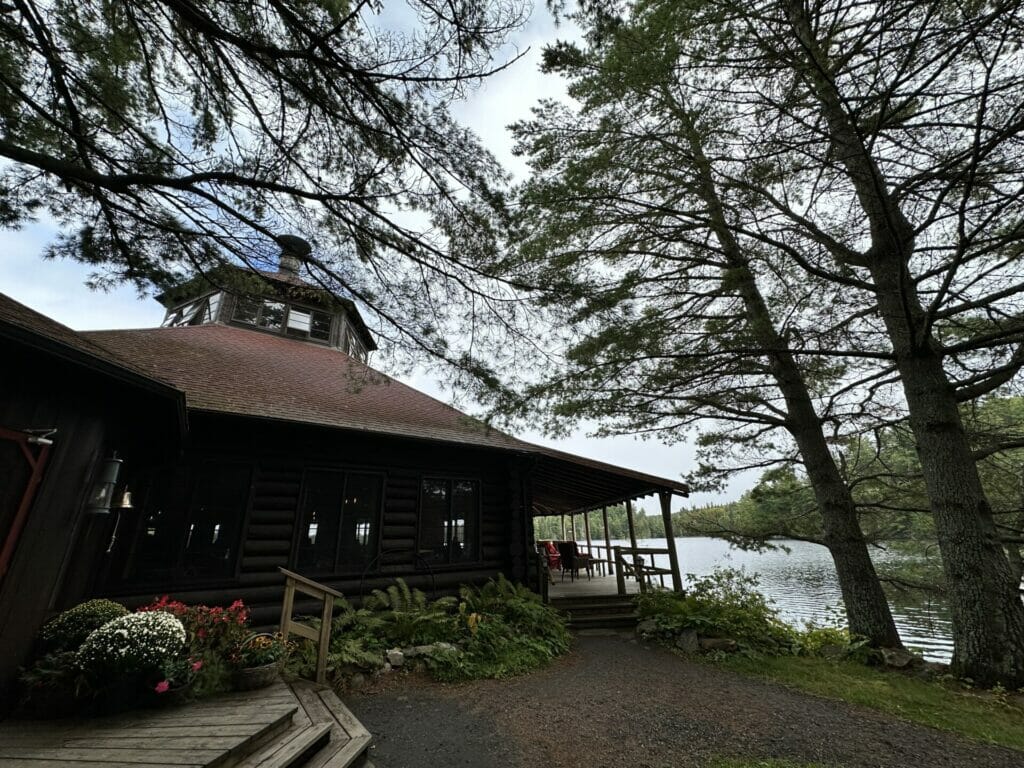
column 224, row 369
column 26, row 326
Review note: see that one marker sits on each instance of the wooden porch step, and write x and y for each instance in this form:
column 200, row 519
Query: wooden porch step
column 603, row 621
column 256, row 741
column 294, row 748
column 571, row 600
column 583, row 609
column 323, row 734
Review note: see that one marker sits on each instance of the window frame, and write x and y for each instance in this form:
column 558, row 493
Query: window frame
column 208, row 305
column 450, row 481
column 128, row 575
column 374, row 561
column 283, row 329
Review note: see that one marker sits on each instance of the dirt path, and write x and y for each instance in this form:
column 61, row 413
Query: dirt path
column 614, row 702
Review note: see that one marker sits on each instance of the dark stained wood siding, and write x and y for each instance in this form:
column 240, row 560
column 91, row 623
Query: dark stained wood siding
column 60, row 547
column 281, row 453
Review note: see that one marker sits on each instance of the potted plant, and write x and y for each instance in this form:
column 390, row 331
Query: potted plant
column 52, row 687
column 257, row 661
column 118, row 657
column 175, row 685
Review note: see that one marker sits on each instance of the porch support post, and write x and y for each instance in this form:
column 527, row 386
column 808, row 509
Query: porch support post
column 586, row 527
column 673, row 555
column 572, row 526
column 629, row 520
column 562, row 518
column 637, row 560
column 608, row 541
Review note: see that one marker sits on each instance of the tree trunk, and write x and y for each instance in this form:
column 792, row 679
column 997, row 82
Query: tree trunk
column 867, row 608
column 988, row 615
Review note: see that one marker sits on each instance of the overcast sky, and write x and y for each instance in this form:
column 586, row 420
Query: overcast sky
column 57, row 289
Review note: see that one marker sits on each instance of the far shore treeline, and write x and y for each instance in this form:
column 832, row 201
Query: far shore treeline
column 883, row 471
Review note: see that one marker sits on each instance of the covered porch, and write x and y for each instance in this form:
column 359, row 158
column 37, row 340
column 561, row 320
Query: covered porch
column 575, row 490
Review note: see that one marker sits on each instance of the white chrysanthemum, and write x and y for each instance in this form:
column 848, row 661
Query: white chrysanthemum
column 137, row 642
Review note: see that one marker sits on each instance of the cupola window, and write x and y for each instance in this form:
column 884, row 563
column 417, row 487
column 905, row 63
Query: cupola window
column 291, row 320
column 198, row 312
column 308, row 323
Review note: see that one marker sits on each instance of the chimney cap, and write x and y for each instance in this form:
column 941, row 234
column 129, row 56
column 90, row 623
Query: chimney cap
column 293, row 245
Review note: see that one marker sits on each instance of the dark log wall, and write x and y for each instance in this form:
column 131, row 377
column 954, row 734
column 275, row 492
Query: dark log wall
column 59, row 540
column 280, row 454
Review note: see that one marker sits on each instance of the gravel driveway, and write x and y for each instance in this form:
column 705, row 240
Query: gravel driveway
column 614, row 702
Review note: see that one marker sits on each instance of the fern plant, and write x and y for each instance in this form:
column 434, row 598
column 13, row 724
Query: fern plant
column 409, row 618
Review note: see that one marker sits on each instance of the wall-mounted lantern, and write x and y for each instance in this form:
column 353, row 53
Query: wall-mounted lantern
column 103, row 489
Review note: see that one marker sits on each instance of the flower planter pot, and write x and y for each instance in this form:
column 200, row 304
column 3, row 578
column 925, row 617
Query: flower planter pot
column 172, row 697
column 119, row 695
column 251, row 678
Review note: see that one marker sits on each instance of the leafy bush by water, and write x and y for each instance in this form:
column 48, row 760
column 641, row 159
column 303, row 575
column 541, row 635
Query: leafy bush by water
column 727, row 604
column 723, row 604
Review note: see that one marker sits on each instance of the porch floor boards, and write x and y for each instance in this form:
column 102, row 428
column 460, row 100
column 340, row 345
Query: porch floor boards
column 596, row 586
column 267, row 727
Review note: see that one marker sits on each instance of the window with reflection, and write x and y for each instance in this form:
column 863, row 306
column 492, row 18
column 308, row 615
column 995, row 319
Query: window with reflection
column 190, row 524
column 449, row 520
column 295, row 321
column 339, row 521
column 198, row 312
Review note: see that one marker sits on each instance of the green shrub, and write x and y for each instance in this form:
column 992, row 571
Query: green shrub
column 497, row 630
column 723, row 604
column 68, row 630
column 406, row 617
column 815, row 639
column 510, row 632
column 53, row 679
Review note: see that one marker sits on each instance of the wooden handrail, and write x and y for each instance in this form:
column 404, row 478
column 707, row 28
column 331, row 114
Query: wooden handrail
column 293, row 583
column 638, row 567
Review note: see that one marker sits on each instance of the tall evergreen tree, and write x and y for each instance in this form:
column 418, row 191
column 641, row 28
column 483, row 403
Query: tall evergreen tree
column 681, row 317
column 878, row 147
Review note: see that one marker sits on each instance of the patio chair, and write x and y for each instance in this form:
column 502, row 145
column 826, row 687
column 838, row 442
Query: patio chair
column 572, row 560
column 549, row 551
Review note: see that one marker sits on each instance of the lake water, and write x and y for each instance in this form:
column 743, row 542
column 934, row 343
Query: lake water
column 803, row 585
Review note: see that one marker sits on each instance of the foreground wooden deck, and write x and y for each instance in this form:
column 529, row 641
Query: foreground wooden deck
column 277, row 727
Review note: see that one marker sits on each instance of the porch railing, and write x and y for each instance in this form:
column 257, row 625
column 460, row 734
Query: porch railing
column 632, row 563
column 293, row 583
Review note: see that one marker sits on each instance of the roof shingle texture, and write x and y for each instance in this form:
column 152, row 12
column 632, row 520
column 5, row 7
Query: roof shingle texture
column 246, row 372
column 238, row 371
column 19, row 316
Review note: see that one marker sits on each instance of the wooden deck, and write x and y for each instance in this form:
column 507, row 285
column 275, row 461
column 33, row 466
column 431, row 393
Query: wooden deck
column 596, row 586
column 277, row 727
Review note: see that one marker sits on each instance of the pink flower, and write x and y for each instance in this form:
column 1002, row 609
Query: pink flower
column 162, row 687
column 197, row 665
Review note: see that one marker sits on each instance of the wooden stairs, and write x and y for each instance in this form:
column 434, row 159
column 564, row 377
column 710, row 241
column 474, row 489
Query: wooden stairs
column 295, row 725
column 598, row 611
column 322, row 733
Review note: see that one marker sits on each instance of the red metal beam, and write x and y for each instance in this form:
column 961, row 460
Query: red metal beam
column 37, row 463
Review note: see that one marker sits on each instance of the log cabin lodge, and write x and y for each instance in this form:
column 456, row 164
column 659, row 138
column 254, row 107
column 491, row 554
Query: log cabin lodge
column 249, row 433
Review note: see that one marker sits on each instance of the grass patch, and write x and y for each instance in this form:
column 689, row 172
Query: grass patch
column 731, row 762
column 977, row 717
